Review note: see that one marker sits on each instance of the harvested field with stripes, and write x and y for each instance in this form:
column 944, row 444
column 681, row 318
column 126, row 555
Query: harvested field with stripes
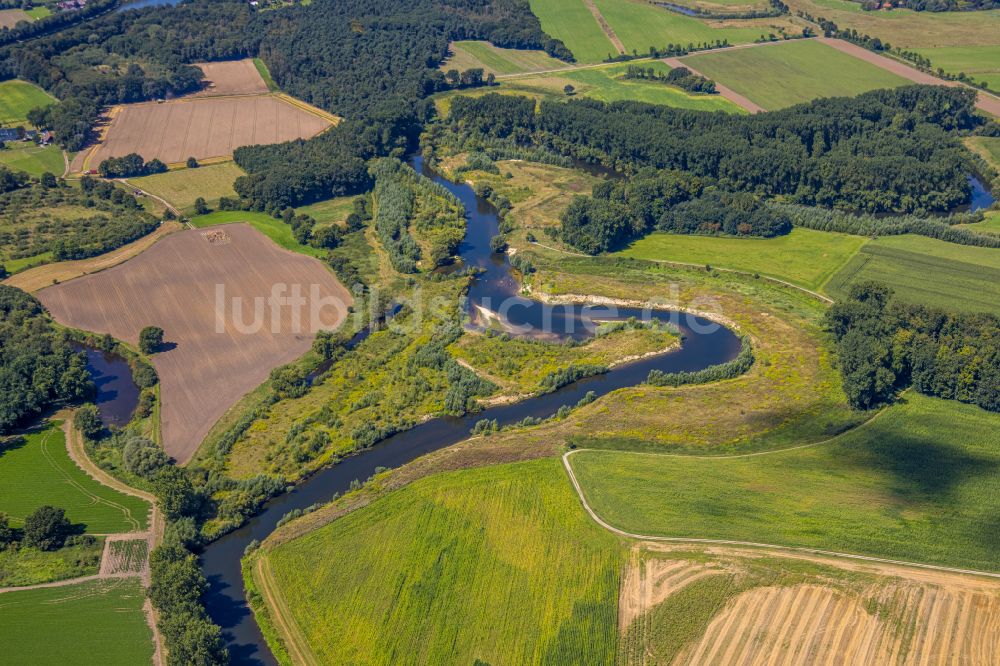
column 200, row 127
column 232, row 77
column 735, row 607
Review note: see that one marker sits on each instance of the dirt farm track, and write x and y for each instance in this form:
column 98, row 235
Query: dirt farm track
column 212, row 356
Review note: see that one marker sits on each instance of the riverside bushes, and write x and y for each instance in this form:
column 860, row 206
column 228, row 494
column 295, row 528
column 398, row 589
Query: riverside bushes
column 729, row 370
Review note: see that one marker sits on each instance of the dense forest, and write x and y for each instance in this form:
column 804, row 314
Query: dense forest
column 38, row 367
column 884, row 346
column 884, row 151
column 936, row 5
column 347, row 56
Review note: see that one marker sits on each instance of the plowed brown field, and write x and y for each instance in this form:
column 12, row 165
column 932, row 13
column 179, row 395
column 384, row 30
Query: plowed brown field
column 231, row 77
column 207, row 365
column 859, row 614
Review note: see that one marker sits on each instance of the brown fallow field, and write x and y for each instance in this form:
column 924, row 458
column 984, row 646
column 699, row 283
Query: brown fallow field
column 231, row 77
column 212, row 356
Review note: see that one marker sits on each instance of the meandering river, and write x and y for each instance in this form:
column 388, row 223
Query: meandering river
column 705, row 344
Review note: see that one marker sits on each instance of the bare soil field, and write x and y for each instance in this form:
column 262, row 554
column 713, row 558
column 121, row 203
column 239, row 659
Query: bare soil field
column 231, row 77
column 834, row 613
column 200, row 127
column 213, row 355
column 11, row 17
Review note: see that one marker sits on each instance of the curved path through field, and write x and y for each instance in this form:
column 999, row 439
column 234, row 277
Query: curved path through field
column 886, row 565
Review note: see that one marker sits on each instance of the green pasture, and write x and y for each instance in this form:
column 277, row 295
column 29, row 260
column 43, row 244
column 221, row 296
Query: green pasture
column 783, row 74
column 927, row 271
column 981, row 63
column 35, row 470
column 19, row 97
column 182, row 186
column 273, row 228
column 804, row 257
column 32, row 158
column 917, row 483
column 469, row 54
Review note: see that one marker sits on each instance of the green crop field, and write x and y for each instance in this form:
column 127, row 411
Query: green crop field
column 182, row 186
column 779, row 75
column 469, row 54
column 918, row 483
column 640, row 25
column 36, row 470
column 275, row 229
column 33, row 158
column 572, row 22
column 927, row 271
column 38, row 12
column 265, row 74
column 981, row 63
column 957, row 41
column 19, row 97
column 804, row 257
column 496, row 564
column 100, row 622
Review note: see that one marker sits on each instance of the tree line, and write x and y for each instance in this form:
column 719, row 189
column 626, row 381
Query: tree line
column 681, row 77
column 886, row 151
column 884, row 346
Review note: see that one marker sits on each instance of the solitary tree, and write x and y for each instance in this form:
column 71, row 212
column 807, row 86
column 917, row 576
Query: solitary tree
column 46, row 528
column 201, row 207
column 150, row 339
column 88, row 421
column 568, row 89
column 192, row 163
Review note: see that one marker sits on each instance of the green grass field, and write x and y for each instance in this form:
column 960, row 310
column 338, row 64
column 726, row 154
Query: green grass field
column 498, row 564
column 572, row 22
column 990, row 225
column 331, row 211
column 29, row 566
column 988, row 147
column 275, row 229
column 606, row 83
column 39, row 12
column 927, row 271
column 182, row 186
column 33, row 158
column 804, row 257
column 918, row 483
column 981, row 63
column 640, row 25
column 957, row 41
column 469, row 54
column 91, row 623
column 37, row 470
column 265, row 74
column 779, row 75
column 19, row 97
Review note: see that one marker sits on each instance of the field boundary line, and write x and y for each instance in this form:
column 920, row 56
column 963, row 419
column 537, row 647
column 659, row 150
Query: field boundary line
column 609, row 32
column 724, row 91
column 751, row 544
column 295, row 642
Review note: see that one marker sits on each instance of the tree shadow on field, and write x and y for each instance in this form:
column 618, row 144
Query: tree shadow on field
column 921, row 469
column 12, row 443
